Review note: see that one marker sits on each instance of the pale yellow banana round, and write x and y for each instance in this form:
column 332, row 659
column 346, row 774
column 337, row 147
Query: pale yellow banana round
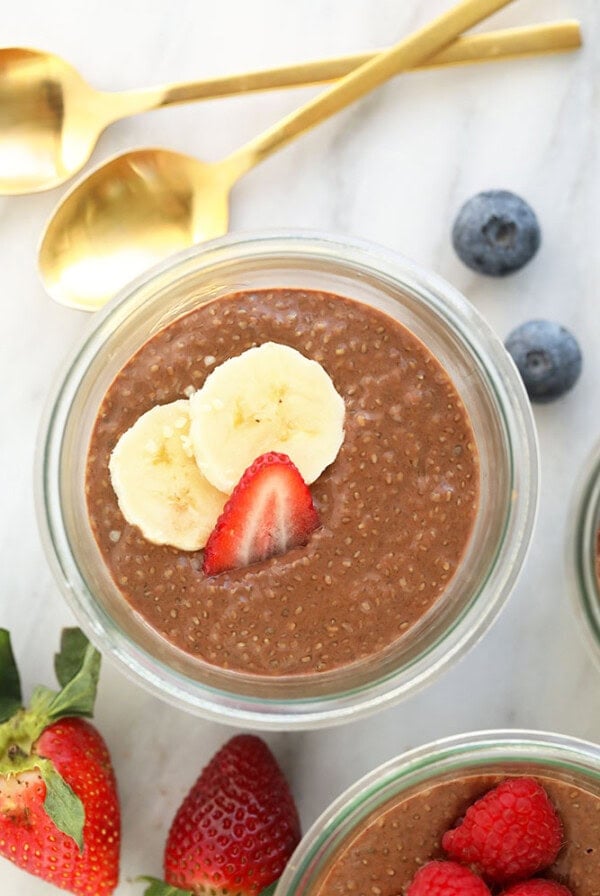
column 157, row 481
column 270, row 398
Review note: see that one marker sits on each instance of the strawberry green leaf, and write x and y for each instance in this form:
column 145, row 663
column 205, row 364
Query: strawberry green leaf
column 268, row 891
column 62, row 805
column 10, row 685
column 69, row 660
column 40, row 701
column 160, row 888
column 78, row 695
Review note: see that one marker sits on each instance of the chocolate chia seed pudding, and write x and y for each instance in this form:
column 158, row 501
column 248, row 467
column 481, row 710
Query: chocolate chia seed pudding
column 399, row 838
column 397, row 506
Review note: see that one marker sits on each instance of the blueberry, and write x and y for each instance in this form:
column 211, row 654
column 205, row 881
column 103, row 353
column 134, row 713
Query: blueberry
column 548, row 357
column 496, row 233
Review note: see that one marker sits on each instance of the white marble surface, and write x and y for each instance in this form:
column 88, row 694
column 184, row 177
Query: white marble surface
column 393, row 169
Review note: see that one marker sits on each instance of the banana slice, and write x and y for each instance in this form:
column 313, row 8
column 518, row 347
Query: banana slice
column 269, row 398
column 157, row 481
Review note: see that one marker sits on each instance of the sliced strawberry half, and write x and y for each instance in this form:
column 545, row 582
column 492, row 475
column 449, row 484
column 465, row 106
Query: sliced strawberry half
column 270, row 511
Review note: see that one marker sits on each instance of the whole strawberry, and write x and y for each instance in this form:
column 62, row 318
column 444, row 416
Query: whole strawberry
column 236, row 828
column 537, row 887
column 59, row 811
column 446, row 879
column 510, row 834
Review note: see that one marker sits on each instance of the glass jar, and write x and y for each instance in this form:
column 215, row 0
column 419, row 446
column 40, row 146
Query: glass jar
column 584, row 550
column 494, row 753
column 489, row 387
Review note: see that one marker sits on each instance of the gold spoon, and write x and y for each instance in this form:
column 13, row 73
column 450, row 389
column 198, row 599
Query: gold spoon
column 144, row 205
column 51, row 119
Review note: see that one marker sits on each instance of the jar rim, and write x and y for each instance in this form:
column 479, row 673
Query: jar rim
column 582, row 550
column 355, row 255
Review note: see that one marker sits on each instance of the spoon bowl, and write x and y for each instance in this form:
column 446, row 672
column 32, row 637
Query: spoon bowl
column 49, row 120
column 126, row 216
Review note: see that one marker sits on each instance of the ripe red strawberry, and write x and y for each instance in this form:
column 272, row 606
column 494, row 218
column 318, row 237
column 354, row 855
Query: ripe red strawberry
column 270, row 511
column 537, row 887
column 446, row 879
column 237, row 827
column 511, row 833
column 59, row 811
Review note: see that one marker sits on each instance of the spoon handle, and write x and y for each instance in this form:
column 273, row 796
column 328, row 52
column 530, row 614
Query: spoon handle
column 509, row 43
column 408, row 52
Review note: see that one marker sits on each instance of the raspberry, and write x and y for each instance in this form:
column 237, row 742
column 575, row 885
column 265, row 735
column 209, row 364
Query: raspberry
column 511, row 833
column 446, row 879
column 538, row 887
